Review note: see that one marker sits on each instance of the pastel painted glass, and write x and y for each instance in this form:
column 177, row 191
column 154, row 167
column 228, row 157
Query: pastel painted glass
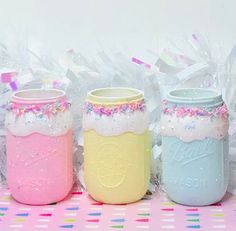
column 39, row 146
column 194, row 127
column 116, row 145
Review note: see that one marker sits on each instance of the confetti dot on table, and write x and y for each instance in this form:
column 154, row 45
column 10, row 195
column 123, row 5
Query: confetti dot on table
column 168, row 204
column 219, row 226
column 22, row 214
column 218, row 220
column 25, row 209
column 142, row 220
column 193, row 214
column 92, row 220
column 142, row 227
column 95, row 214
column 193, row 220
column 45, row 214
column 73, row 208
column 2, row 214
column 41, row 226
column 168, row 220
column 167, row 209
column 168, row 214
column 70, row 220
column 168, row 227
column 192, row 210
column 117, row 226
column 217, row 215
column 143, row 214
column 71, row 214
column 20, row 220
column 193, row 226
column 3, row 208
column 43, row 220
column 67, row 226
column 118, row 220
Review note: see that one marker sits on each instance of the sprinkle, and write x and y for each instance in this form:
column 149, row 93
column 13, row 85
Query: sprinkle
column 181, row 112
column 39, row 110
column 103, row 110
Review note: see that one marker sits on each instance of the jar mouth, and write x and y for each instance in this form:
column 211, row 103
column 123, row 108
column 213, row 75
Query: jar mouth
column 114, row 95
column 195, row 96
column 38, row 95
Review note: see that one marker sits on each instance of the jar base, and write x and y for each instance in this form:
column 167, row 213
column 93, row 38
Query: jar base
column 117, row 202
column 46, row 202
column 197, row 204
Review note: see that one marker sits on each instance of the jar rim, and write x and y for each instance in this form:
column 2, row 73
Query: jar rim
column 114, row 95
column 38, row 95
column 195, row 95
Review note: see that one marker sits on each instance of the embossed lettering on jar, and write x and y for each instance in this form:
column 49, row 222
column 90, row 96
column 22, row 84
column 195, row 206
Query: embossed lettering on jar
column 116, row 145
column 39, row 146
column 194, row 127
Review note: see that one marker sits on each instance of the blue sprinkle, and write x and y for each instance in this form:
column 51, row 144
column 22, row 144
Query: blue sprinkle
column 67, row 226
column 73, row 208
column 194, row 226
column 3, row 209
column 118, row 220
column 22, row 214
column 193, row 214
column 95, row 214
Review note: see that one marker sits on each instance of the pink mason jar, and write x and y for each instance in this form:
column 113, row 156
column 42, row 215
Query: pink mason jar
column 39, row 146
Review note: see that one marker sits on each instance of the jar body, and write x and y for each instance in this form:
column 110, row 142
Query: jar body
column 117, row 149
column 39, row 148
column 195, row 167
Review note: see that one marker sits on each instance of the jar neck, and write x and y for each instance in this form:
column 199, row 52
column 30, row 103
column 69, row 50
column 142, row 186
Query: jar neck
column 114, row 95
column 38, row 96
column 196, row 97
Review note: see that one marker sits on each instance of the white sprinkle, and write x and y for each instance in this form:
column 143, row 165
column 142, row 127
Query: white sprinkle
column 71, row 214
column 168, row 220
column 142, row 227
column 168, row 227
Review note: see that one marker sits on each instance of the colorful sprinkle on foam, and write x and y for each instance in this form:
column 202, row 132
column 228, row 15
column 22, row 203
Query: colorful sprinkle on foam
column 169, row 109
column 111, row 110
column 39, row 109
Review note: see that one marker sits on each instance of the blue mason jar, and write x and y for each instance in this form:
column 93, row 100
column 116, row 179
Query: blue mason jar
column 194, row 128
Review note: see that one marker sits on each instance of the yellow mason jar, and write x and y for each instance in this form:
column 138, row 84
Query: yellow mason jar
column 116, row 145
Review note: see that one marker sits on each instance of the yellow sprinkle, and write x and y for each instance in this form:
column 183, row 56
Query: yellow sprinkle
column 6, row 198
column 19, row 220
column 168, row 204
column 217, row 215
column 70, row 220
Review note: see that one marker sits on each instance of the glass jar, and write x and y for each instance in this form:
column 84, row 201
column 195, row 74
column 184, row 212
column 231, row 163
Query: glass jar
column 194, row 127
column 39, row 146
column 116, row 145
